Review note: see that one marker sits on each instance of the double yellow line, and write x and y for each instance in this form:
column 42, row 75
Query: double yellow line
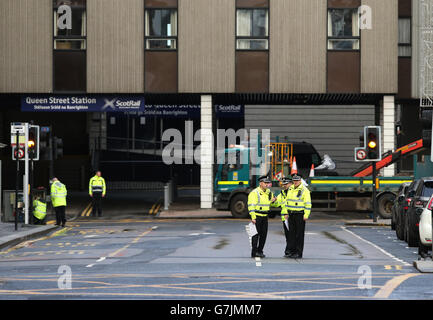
column 86, row 212
column 155, row 208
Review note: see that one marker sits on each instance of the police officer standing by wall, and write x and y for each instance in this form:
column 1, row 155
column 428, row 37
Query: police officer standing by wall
column 282, row 202
column 97, row 189
column 259, row 203
column 299, row 209
column 58, row 200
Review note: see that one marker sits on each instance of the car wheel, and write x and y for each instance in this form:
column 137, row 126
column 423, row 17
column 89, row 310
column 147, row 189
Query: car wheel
column 239, row 206
column 423, row 248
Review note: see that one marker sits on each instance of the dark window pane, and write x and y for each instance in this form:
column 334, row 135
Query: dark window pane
column 70, row 71
column 161, row 23
column 343, row 23
column 260, row 23
column 254, row 44
column 78, row 27
column 160, row 44
column 252, row 23
column 346, row 44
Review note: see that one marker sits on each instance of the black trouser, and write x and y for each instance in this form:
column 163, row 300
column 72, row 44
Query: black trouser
column 260, row 237
column 287, row 235
column 60, row 215
column 97, row 203
column 296, row 232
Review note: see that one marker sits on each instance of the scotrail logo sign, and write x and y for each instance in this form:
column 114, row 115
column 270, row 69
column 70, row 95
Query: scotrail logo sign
column 82, row 103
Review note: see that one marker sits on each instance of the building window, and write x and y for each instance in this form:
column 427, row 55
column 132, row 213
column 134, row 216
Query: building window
column 69, row 46
column 404, row 37
column 70, row 35
column 161, row 29
column 252, row 29
column 343, row 29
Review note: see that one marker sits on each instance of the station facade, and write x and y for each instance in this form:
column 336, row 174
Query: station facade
column 110, row 76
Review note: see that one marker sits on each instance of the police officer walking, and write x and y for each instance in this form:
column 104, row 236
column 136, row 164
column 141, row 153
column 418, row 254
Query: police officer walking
column 97, row 189
column 259, row 203
column 58, row 200
column 282, row 202
column 299, row 208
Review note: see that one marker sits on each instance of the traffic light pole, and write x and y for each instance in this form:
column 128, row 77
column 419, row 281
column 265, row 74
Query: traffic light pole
column 374, row 193
column 17, row 160
column 26, row 176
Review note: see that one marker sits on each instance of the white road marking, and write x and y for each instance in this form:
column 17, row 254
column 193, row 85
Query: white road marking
column 377, row 247
column 258, row 262
column 101, row 259
column 90, row 265
column 90, row 236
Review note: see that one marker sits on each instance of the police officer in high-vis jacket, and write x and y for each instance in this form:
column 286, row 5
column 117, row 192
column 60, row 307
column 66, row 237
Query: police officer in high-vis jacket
column 299, row 208
column 259, row 202
column 282, row 202
column 97, row 190
column 58, row 200
column 39, row 211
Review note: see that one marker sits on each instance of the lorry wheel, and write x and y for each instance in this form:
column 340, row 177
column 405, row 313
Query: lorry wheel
column 239, row 206
column 384, row 203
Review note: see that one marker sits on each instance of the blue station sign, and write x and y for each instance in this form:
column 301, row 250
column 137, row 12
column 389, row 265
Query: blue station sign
column 82, row 103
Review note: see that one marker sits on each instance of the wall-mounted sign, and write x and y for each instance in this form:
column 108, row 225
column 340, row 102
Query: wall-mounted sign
column 229, row 111
column 82, row 103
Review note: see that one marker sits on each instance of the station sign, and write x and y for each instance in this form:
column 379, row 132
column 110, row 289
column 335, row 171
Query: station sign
column 82, row 103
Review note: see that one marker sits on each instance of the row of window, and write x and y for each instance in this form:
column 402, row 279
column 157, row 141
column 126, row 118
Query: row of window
column 252, row 30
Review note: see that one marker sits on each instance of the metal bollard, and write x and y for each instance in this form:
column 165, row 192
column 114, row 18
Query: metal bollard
column 166, row 196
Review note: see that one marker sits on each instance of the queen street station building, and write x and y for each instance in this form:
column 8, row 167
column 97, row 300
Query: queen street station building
column 110, row 76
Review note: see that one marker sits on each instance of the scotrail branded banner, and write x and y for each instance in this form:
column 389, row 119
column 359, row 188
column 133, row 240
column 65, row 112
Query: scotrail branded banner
column 229, row 111
column 82, row 103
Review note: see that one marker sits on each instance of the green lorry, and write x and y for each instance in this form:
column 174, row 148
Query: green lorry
column 330, row 192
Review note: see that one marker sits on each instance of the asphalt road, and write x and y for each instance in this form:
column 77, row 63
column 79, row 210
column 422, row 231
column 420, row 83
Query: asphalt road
column 209, row 259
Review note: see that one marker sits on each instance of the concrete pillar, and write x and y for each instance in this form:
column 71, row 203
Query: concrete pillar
column 206, row 153
column 388, row 132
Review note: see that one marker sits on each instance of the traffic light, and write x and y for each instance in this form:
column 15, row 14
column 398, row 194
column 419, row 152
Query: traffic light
column 57, row 148
column 44, row 144
column 373, row 149
column 33, row 142
column 369, row 145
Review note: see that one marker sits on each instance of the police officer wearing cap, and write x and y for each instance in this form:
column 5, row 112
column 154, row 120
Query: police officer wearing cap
column 299, row 208
column 282, row 202
column 259, row 202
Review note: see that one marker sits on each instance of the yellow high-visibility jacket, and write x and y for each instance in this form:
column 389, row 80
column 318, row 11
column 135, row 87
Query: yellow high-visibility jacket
column 97, row 184
column 40, row 209
column 58, row 194
column 299, row 199
column 259, row 202
column 281, row 202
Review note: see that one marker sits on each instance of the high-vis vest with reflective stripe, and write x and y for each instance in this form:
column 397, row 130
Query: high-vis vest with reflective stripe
column 97, row 185
column 299, row 199
column 58, row 194
column 40, row 209
column 281, row 202
column 259, row 202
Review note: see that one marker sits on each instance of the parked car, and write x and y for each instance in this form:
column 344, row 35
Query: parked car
column 425, row 229
column 400, row 221
column 398, row 203
column 422, row 195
